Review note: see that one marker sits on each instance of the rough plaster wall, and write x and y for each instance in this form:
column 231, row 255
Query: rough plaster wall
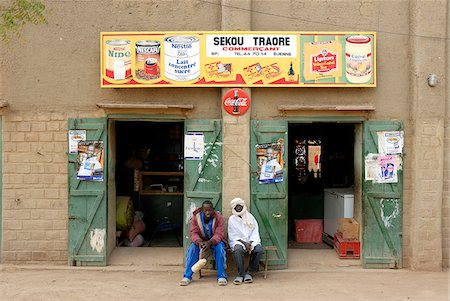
column 446, row 183
column 446, row 197
column 52, row 73
column 428, row 48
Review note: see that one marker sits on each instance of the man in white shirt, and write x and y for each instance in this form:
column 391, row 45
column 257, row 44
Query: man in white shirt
column 243, row 235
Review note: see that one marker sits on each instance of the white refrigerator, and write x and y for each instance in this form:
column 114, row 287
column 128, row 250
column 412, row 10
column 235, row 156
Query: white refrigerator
column 338, row 203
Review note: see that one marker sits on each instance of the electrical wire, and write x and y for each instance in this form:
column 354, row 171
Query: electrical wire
column 321, row 22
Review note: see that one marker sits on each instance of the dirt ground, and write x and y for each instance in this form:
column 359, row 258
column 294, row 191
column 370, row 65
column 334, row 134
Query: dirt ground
column 131, row 283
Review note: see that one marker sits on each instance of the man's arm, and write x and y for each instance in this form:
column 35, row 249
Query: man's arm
column 219, row 231
column 194, row 232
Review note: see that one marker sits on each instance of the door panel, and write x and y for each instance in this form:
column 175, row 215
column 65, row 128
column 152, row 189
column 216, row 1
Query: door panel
column 203, row 178
column 268, row 202
column 87, row 210
column 382, row 208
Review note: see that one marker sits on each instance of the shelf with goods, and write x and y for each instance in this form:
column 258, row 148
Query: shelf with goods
column 161, row 183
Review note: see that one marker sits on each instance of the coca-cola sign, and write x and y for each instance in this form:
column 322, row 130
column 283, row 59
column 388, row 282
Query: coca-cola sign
column 236, row 101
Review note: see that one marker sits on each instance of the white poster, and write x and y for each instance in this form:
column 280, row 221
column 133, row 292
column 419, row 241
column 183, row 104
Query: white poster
column 371, row 167
column 194, row 146
column 390, row 142
column 75, row 136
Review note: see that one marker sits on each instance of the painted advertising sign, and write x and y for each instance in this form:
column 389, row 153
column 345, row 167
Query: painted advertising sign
column 236, row 102
column 238, row 59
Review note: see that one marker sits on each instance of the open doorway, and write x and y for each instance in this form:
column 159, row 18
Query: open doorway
column 149, row 183
column 321, row 161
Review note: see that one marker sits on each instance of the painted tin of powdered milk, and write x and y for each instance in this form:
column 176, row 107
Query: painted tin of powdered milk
column 118, row 59
column 182, row 58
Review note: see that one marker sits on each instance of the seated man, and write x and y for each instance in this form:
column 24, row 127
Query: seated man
column 206, row 232
column 244, row 237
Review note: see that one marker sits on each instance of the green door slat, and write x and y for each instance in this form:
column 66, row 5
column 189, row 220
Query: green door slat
column 201, row 194
column 272, row 129
column 385, row 195
column 268, row 202
column 201, row 128
column 382, row 208
column 271, row 195
column 87, row 208
column 203, row 178
column 86, row 192
column 92, row 258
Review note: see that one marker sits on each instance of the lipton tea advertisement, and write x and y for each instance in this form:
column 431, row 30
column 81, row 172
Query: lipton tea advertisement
column 236, row 59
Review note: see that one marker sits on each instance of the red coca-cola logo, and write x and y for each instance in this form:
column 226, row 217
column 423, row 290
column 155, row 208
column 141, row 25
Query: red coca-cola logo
column 236, row 101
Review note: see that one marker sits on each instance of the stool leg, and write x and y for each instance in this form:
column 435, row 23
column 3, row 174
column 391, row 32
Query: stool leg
column 265, row 265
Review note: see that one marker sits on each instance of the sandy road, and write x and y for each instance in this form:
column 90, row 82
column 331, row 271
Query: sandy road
column 39, row 283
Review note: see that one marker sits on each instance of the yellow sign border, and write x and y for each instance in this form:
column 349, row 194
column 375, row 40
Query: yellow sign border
column 134, row 36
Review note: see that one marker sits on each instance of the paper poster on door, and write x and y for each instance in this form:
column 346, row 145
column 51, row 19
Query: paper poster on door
column 75, row 136
column 90, row 161
column 390, row 142
column 382, row 169
column 269, row 158
column 194, row 146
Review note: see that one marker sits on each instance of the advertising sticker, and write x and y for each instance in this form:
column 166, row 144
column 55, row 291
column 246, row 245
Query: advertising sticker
column 194, row 146
column 390, row 142
column 236, row 102
column 382, row 169
column 269, row 158
column 75, row 136
column 90, row 161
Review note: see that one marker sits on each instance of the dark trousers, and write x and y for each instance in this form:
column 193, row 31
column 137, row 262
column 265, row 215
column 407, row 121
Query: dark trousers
column 255, row 256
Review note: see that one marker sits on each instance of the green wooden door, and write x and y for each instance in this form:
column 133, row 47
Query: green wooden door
column 203, row 178
column 382, row 208
column 87, row 203
column 268, row 202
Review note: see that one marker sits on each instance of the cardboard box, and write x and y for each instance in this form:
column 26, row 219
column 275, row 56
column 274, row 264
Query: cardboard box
column 349, row 228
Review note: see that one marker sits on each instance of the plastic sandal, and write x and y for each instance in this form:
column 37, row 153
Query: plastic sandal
column 248, row 278
column 222, row 281
column 185, row 281
column 238, row 280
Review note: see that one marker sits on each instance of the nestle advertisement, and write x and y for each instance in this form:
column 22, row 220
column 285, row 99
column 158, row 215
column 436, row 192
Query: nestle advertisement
column 243, row 59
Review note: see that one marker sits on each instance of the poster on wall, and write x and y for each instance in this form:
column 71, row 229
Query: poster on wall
column 382, row 168
column 237, row 59
column 194, row 146
column 75, row 136
column 269, row 158
column 90, row 161
column 390, row 142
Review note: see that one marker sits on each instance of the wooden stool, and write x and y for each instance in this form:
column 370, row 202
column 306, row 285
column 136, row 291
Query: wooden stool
column 265, row 264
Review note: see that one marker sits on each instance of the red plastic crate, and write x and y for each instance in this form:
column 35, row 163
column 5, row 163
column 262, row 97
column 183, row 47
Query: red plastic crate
column 346, row 248
column 308, row 230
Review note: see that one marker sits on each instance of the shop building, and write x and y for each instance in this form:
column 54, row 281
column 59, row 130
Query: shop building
column 50, row 85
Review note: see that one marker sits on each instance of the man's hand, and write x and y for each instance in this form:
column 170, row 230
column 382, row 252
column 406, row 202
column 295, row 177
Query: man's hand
column 205, row 245
column 247, row 245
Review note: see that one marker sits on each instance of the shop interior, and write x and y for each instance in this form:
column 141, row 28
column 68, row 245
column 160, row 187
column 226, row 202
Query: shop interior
column 149, row 183
column 321, row 163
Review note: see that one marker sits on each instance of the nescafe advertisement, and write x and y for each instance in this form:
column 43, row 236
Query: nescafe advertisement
column 236, row 102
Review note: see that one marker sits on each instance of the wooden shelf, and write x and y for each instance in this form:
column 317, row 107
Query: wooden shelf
column 147, row 192
column 162, row 173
